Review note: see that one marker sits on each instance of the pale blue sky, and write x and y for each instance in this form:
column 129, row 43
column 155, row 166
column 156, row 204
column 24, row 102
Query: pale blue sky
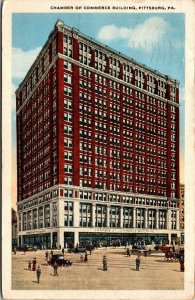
column 156, row 40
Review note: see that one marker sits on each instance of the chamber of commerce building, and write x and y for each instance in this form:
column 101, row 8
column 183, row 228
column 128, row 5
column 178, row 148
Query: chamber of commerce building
column 97, row 146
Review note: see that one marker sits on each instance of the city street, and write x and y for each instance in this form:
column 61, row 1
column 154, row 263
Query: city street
column 154, row 274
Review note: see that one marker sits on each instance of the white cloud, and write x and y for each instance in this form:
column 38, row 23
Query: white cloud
column 111, row 32
column 22, row 61
column 144, row 35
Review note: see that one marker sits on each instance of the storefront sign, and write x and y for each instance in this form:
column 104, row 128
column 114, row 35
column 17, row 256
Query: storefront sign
column 123, row 230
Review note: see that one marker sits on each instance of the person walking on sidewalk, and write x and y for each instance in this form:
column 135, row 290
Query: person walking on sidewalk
column 29, row 265
column 34, row 262
column 46, row 255
column 38, row 274
column 86, row 258
column 128, row 252
column 104, row 261
column 55, row 268
column 137, row 262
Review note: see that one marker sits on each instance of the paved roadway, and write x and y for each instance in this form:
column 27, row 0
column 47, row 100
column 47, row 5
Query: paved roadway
column 154, row 274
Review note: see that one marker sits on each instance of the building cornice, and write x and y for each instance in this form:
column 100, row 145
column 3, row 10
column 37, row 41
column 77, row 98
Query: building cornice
column 112, row 52
column 94, row 190
column 108, row 76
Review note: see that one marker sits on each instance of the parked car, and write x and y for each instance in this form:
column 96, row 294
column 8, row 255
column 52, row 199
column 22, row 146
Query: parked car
column 165, row 249
column 59, row 258
column 27, row 248
column 77, row 250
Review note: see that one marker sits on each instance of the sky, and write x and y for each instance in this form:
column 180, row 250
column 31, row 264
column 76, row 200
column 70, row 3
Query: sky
column 155, row 40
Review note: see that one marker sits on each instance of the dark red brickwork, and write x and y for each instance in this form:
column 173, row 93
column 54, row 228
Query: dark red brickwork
column 121, row 137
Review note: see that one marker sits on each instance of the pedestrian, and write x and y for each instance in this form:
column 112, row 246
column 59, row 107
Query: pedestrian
column 38, row 274
column 34, row 262
column 63, row 251
column 137, row 261
column 128, row 252
column 81, row 258
column 29, row 265
column 181, row 261
column 55, row 268
column 104, row 261
column 85, row 259
column 90, row 250
column 14, row 250
column 46, row 255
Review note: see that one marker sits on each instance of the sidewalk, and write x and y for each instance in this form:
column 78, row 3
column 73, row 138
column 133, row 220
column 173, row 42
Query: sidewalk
column 154, row 274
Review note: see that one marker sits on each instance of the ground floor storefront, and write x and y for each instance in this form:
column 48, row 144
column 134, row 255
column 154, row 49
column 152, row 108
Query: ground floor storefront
column 63, row 237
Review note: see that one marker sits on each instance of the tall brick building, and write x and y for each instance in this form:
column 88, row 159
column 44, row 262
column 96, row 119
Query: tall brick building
column 97, row 146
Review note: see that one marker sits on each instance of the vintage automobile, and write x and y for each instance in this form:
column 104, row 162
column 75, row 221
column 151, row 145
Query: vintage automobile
column 166, row 248
column 59, row 259
column 77, row 250
column 27, row 248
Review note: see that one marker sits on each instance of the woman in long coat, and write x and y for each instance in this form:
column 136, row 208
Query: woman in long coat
column 85, row 259
column 34, row 262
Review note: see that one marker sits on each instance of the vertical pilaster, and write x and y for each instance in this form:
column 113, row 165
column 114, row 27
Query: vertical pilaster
column 60, row 119
column 121, row 217
column 168, row 150
column 76, row 139
column 37, row 218
column 21, row 240
column 108, row 130
column 51, row 121
column 21, row 221
column 157, row 147
column 76, row 238
column 43, row 216
column 121, row 129
column 75, row 48
column 157, row 219
column 169, row 237
column 51, row 215
column 93, row 121
column 51, row 239
column 177, row 220
column 177, row 159
column 60, row 212
column 76, row 213
column 169, row 219
column 134, row 217
column 93, row 216
column 59, row 42
column 134, row 133
column 146, row 218
column 107, row 216
column 61, row 237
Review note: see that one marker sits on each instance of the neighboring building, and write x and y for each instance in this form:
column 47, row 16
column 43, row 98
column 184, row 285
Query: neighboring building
column 14, row 228
column 97, row 146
